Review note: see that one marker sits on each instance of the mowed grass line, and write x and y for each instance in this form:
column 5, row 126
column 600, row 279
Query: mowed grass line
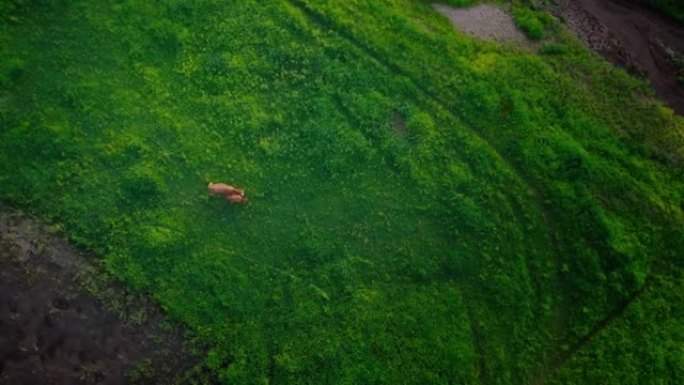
column 370, row 253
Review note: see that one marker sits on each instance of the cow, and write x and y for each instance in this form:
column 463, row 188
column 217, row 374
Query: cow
column 232, row 194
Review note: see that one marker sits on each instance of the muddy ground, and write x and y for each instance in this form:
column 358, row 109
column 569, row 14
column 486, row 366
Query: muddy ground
column 58, row 324
column 635, row 37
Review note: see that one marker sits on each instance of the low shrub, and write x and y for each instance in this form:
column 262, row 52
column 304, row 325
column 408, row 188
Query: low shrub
column 535, row 25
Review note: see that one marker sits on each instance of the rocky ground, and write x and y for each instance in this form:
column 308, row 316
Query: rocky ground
column 632, row 36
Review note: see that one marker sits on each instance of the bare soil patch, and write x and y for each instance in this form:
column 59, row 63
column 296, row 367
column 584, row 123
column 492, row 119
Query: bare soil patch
column 399, row 124
column 484, row 21
column 53, row 331
column 634, row 37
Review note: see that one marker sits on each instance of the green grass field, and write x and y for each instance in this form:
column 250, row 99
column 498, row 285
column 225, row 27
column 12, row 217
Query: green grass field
column 425, row 208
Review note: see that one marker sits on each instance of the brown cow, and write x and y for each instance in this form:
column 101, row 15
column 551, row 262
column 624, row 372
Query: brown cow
column 232, row 194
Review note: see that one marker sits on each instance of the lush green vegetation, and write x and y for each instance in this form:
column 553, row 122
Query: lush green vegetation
column 459, row 3
column 673, row 8
column 425, row 208
column 536, row 25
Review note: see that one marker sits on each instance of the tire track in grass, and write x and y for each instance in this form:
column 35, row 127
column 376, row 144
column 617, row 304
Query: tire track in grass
column 323, row 23
column 431, row 97
column 559, row 361
column 475, row 333
column 478, row 345
column 560, row 316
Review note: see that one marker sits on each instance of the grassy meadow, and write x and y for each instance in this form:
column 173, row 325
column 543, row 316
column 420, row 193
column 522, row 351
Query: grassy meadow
column 425, row 208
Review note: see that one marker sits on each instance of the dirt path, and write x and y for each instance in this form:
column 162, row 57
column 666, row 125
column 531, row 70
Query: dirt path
column 53, row 331
column 484, row 21
column 634, row 37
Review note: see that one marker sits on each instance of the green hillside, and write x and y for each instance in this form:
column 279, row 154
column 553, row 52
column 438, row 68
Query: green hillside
column 424, row 208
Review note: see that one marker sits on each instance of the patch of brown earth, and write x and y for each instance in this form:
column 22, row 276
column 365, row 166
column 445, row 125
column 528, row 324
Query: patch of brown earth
column 484, row 21
column 53, row 332
column 634, row 37
column 399, row 124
